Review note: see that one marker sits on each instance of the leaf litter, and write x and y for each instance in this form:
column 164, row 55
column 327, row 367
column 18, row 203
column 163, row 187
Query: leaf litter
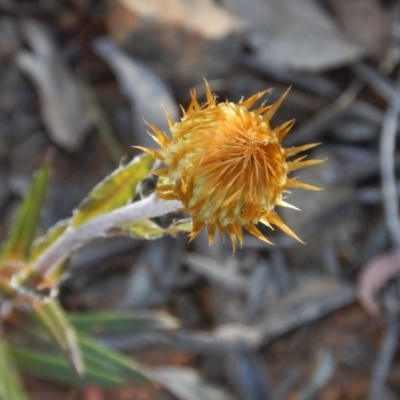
column 293, row 327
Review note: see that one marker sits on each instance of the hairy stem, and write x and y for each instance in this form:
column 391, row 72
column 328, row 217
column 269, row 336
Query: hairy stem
column 100, row 227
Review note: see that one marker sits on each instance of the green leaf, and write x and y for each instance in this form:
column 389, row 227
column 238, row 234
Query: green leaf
column 18, row 244
column 100, row 357
column 121, row 322
column 53, row 318
column 57, row 369
column 43, row 242
column 147, row 229
column 103, row 366
column 116, row 190
column 10, row 385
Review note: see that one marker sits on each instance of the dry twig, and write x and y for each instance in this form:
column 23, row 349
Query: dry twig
column 384, row 359
column 387, row 159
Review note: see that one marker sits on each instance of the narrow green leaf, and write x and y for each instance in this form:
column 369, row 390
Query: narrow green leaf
column 57, row 369
column 43, row 242
column 103, row 366
column 10, row 385
column 121, row 322
column 55, row 321
column 147, row 229
column 114, row 191
column 100, row 357
column 18, row 244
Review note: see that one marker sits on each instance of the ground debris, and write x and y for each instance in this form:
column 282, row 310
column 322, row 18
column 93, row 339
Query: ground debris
column 278, row 322
column 180, row 41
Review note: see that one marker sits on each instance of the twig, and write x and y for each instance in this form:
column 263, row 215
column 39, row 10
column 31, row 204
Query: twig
column 371, row 281
column 365, row 111
column 380, row 84
column 387, row 160
column 100, row 227
column 373, row 195
column 324, row 369
column 323, row 118
column 385, row 357
column 309, row 83
column 247, row 374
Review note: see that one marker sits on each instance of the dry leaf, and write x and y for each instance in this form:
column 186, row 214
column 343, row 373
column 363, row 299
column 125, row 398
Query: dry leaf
column 62, row 105
column 182, row 41
column 148, row 94
column 294, row 33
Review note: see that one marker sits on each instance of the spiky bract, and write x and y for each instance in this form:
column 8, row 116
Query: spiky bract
column 227, row 166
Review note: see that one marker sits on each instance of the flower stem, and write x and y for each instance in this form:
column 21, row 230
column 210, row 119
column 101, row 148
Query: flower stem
column 100, row 227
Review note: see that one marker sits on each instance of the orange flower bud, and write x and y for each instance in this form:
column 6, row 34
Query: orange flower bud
column 227, row 166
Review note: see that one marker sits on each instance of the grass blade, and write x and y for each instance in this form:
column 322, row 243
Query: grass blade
column 103, row 366
column 118, row 322
column 53, row 318
column 18, row 243
column 10, row 385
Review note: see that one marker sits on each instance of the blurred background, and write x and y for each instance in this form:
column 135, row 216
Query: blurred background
column 289, row 321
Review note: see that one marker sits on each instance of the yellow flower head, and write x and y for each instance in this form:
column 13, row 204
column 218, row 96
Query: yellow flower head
column 227, row 166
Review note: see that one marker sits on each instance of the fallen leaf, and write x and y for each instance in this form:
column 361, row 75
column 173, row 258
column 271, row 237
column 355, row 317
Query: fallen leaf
column 148, row 94
column 181, row 41
column 294, row 33
column 61, row 99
